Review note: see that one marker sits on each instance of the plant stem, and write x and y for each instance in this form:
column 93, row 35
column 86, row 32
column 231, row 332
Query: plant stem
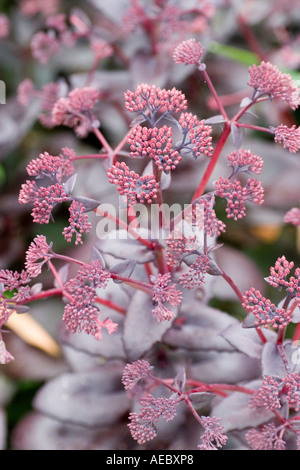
column 213, row 161
column 215, row 94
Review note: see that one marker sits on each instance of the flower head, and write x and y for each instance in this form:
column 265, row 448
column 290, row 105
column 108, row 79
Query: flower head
column 163, row 293
column 135, row 372
column 155, row 143
column 264, row 311
column 188, row 52
column 197, row 137
column 142, row 425
column 38, row 253
column 288, row 136
column 245, row 160
column 267, row 79
column 213, row 437
column 80, row 313
column 44, row 45
column 195, row 277
column 79, row 223
column 266, row 439
column 292, row 216
column 137, row 189
column 280, row 272
column 154, row 99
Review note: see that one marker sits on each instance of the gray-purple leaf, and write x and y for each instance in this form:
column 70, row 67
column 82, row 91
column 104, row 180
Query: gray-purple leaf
column 215, row 119
column 97, row 256
column 165, row 180
column 21, row 308
column 90, row 398
column 249, row 321
column 272, row 362
column 125, row 268
column 245, row 102
column 179, row 380
column 89, row 204
column 70, row 183
column 235, row 412
column 200, row 400
column 63, row 275
column 246, row 341
column 137, row 120
column 141, row 329
column 237, row 135
column 39, row 432
column 36, row 288
column 214, row 269
column 201, row 328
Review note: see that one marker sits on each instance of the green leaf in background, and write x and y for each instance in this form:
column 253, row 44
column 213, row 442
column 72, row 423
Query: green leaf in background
column 235, row 53
column 2, row 174
column 245, row 57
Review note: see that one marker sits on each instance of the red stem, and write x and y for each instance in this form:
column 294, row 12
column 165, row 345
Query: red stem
column 213, row 161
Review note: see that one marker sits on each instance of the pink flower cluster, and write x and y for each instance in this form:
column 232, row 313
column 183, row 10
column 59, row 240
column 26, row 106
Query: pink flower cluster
column 178, row 246
column 265, row 312
column 266, row 439
column 195, row 277
column 236, row 195
column 213, row 436
column 78, row 221
column 135, row 372
column 154, row 99
column 245, row 160
column 137, row 189
column 197, row 136
column 267, row 79
column 54, row 168
column 288, row 136
column 38, row 253
column 75, row 110
column 292, row 216
column 80, row 313
column 142, row 425
column 163, row 293
column 280, row 272
column 47, row 43
column 188, row 52
column 155, row 143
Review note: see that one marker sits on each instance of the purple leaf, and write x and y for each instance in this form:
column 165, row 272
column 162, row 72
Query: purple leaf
column 90, row 398
column 141, row 329
column 89, row 204
column 201, row 399
column 36, row 288
column 245, row 102
column 137, row 120
column 70, row 183
column 272, row 362
column 215, row 119
column 179, row 380
column 63, row 275
column 249, row 321
column 200, row 330
column 39, row 432
column 237, row 135
column 235, row 412
column 97, row 256
column 125, row 268
column 21, row 308
column 245, row 340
